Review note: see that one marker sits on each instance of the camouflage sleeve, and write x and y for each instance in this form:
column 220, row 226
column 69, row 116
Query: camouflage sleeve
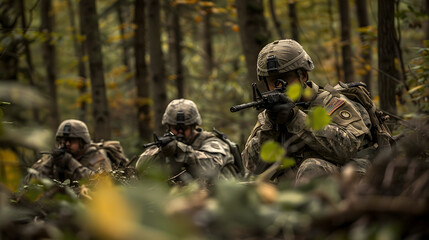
column 339, row 140
column 97, row 161
column 147, row 158
column 262, row 132
column 44, row 168
column 208, row 159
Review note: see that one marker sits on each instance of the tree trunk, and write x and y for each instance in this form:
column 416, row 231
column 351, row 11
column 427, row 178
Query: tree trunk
column 293, row 20
column 276, row 22
column 157, row 73
column 253, row 32
column 144, row 117
column 388, row 74
column 121, row 12
column 28, row 58
column 47, row 17
column 426, row 23
column 100, row 107
column 363, row 21
column 175, row 40
column 343, row 6
column 206, row 38
column 335, row 44
column 79, row 51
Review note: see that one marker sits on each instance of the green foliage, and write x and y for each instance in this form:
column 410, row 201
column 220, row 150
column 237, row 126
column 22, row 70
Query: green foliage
column 294, row 91
column 272, row 151
column 317, row 118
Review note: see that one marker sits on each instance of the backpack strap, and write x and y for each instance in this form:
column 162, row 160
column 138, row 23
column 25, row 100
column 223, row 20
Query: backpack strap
column 357, row 92
column 234, row 148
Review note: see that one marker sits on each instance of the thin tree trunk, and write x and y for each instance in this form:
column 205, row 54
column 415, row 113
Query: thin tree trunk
column 206, row 38
column 388, row 74
column 100, row 107
column 346, row 50
column 277, row 24
column 363, row 21
column 79, row 51
column 157, row 72
column 175, row 40
column 254, row 34
column 335, row 45
column 293, row 20
column 144, row 117
column 120, row 10
column 49, row 59
column 426, row 23
column 28, row 58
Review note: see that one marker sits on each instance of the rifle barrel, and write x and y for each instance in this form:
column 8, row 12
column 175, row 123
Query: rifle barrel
column 239, row 107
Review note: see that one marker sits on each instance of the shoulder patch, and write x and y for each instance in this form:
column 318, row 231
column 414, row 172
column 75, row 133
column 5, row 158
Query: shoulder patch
column 334, row 104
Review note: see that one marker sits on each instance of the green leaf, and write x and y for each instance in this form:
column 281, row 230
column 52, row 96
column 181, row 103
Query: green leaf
column 294, row 91
column 287, row 162
column 271, row 151
column 318, row 118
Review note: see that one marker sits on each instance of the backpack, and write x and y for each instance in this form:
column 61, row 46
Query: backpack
column 234, row 149
column 380, row 133
column 115, row 153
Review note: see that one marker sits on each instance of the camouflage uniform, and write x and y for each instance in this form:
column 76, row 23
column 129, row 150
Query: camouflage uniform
column 92, row 159
column 316, row 152
column 322, row 151
column 205, row 158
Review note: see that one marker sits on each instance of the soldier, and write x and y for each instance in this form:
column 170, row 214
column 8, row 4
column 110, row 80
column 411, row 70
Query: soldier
column 316, row 152
column 190, row 153
column 75, row 158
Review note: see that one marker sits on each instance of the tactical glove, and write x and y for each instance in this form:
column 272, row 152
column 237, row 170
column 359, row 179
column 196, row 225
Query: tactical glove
column 61, row 158
column 170, row 149
column 282, row 113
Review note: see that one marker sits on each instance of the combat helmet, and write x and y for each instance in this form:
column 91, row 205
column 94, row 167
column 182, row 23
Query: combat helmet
column 181, row 112
column 74, row 129
column 282, row 56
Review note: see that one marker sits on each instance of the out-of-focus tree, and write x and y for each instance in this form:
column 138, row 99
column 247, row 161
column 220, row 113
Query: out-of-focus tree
column 100, row 108
column 79, row 51
column 293, row 17
column 253, row 32
column 143, row 102
column 175, row 45
column 123, row 13
column 426, row 23
column 49, row 57
column 28, row 59
column 206, row 37
column 157, row 72
column 366, row 58
column 335, row 43
column 346, row 50
column 388, row 74
column 276, row 22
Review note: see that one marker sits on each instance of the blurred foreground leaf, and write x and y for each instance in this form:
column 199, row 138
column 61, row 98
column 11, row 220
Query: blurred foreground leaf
column 318, row 118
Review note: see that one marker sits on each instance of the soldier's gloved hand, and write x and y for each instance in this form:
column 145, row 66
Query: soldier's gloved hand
column 61, row 158
column 282, row 113
column 170, row 149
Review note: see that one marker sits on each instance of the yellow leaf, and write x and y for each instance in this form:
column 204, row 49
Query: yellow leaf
column 235, row 28
column 207, row 4
column 109, row 213
column 198, row 19
column 9, row 166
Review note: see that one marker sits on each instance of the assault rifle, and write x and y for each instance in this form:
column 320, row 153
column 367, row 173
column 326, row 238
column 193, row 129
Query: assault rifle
column 164, row 140
column 264, row 100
